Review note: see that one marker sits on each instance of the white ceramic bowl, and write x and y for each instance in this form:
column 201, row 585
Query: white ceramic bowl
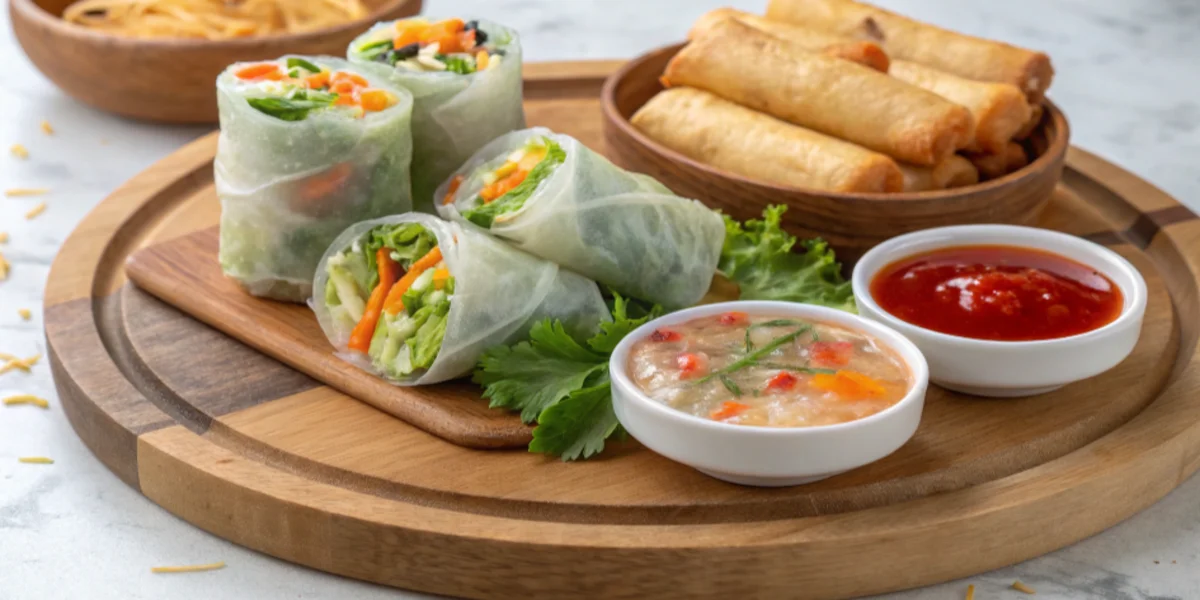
column 768, row 456
column 1009, row 369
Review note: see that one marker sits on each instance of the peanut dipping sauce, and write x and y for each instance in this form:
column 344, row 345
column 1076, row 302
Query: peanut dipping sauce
column 770, row 371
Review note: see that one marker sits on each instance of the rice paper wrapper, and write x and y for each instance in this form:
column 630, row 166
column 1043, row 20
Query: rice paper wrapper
column 619, row 228
column 288, row 188
column 499, row 293
column 455, row 115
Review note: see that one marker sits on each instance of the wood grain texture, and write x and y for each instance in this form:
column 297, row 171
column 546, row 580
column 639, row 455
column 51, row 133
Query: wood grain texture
column 168, row 80
column 852, row 223
column 256, row 453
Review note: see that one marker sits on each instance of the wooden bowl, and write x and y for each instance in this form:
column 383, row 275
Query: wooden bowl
column 852, row 223
column 169, row 80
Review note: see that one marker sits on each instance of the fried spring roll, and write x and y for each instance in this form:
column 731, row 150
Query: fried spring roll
column 725, row 135
column 1035, row 117
column 907, row 39
column 865, row 53
column 997, row 164
column 832, row 96
column 999, row 109
column 953, row 172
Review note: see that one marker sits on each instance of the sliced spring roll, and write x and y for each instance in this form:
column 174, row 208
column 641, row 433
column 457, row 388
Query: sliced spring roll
column 416, row 300
column 725, row 135
column 999, row 109
column 953, row 172
column 868, row 54
column 465, row 78
column 308, row 146
column 836, row 97
column 908, row 39
column 550, row 195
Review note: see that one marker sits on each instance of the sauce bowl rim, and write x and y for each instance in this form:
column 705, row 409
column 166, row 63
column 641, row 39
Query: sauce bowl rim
column 1134, row 304
column 904, row 348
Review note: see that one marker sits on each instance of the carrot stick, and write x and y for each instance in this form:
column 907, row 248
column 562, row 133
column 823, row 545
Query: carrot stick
column 395, row 298
column 389, row 271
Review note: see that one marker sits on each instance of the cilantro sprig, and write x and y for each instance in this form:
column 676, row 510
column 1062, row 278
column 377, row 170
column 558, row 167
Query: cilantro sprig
column 562, row 383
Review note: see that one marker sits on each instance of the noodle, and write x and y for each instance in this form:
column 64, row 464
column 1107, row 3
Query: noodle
column 211, row 19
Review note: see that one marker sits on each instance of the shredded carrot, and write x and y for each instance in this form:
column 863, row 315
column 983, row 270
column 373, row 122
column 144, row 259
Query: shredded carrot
column 389, row 271
column 3, row 237
column 970, row 592
column 35, row 211
column 14, row 192
column 317, row 80
column 258, row 71
column 454, row 185
column 189, row 569
column 728, row 410
column 25, row 313
column 1024, row 589
column 46, row 128
column 26, row 399
column 395, row 298
column 376, row 100
column 502, row 186
column 23, row 364
column 19, row 151
column 4, row 268
column 36, row 460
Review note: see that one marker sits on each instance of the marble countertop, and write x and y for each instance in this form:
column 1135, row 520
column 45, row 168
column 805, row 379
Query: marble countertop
column 1128, row 77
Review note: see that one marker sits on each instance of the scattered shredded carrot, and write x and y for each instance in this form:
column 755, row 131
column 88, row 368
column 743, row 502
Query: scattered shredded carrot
column 395, row 298
column 970, row 592
column 1024, row 589
column 25, row 313
column 189, row 569
column 26, row 399
column 35, row 211
column 35, row 460
column 3, row 237
column 728, row 410
column 23, row 364
column 389, row 271
column 19, row 151
column 47, row 128
column 4, row 268
column 14, row 192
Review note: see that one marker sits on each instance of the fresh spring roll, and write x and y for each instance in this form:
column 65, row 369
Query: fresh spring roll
column 908, row 39
column 832, row 96
column 953, row 172
column 550, row 195
column 999, row 109
column 465, row 78
column 868, row 54
column 417, row 300
column 308, row 146
column 725, row 135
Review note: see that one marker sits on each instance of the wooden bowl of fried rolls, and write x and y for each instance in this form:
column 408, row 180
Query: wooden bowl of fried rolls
column 849, row 115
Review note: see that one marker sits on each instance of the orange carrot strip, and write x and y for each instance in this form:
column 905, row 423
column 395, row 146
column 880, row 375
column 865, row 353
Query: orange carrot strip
column 257, row 71
column 454, row 185
column 728, row 410
column 389, row 270
column 395, row 298
column 503, row 186
column 317, row 80
column 375, row 100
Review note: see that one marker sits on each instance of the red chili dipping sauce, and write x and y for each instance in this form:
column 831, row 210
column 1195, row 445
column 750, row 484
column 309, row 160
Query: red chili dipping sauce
column 1001, row 293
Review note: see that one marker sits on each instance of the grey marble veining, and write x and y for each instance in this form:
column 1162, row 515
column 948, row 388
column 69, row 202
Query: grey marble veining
column 1128, row 78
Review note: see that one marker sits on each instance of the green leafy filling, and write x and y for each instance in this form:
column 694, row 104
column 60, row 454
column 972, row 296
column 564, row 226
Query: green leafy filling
column 484, row 215
column 295, row 106
column 759, row 257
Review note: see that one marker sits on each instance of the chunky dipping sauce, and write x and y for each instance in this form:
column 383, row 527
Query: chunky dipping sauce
column 768, row 371
column 1000, row 293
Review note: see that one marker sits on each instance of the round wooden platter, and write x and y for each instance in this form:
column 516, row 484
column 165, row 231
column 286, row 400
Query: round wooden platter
column 242, row 446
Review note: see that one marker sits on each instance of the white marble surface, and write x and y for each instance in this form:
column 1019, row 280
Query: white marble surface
column 1128, row 76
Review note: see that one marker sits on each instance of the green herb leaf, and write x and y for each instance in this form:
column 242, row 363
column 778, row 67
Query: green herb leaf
column 771, row 323
column 374, row 50
column 295, row 106
column 532, row 376
column 753, row 357
column 459, row 64
column 294, row 62
column 578, row 426
column 795, row 368
column 622, row 324
column 758, row 257
column 731, row 385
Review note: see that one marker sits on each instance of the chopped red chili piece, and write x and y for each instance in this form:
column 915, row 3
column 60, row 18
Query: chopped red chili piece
column 734, row 318
column 691, row 365
column 665, row 335
column 831, row 354
column 782, row 382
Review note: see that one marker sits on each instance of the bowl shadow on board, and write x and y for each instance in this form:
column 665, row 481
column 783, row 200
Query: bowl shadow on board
column 851, row 223
column 164, row 80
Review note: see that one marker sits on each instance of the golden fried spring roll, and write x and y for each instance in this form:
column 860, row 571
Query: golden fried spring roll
column 997, row 164
column 1035, row 118
column 999, row 109
column 720, row 133
column 953, row 172
column 907, row 39
column 833, row 96
column 865, row 53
